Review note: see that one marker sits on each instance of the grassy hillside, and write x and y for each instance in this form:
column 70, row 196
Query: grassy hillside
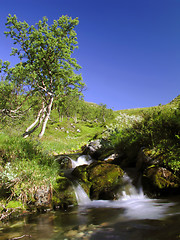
column 64, row 133
column 67, row 134
column 157, row 129
column 28, row 164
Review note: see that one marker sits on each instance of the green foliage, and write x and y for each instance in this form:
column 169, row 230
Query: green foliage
column 15, row 204
column 158, row 129
column 46, row 64
column 25, row 167
column 93, row 112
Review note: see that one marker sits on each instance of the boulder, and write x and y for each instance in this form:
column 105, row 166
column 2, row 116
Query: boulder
column 146, row 158
column 63, row 193
column 100, row 180
column 93, row 149
column 160, row 181
column 157, row 180
column 42, row 197
column 64, row 162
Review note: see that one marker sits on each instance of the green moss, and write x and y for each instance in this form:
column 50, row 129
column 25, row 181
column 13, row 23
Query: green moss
column 162, row 178
column 15, row 204
column 63, row 193
column 81, row 173
column 99, row 179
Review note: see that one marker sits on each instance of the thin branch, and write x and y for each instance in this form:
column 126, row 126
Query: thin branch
column 20, row 237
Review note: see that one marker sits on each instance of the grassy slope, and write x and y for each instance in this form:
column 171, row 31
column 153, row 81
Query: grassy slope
column 66, row 136
column 30, row 164
column 159, row 131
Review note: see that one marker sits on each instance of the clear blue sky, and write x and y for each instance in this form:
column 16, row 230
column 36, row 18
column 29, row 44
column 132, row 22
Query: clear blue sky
column 129, row 50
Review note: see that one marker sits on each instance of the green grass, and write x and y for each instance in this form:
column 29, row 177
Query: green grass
column 159, row 130
column 24, row 166
column 31, row 160
column 69, row 137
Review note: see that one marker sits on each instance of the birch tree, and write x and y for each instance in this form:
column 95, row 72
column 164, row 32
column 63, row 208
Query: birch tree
column 46, row 62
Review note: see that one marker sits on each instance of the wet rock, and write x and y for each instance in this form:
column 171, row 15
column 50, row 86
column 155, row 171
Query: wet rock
column 63, row 193
column 112, row 157
column 43, row 197
column 82, row 227
column 94, row 149
column 65, row 162
column 100, row 180
column 71, row 233
column 160, row 181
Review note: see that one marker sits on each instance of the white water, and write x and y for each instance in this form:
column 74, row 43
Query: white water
column 136, row 206
column 81, row 196
column 133, row 201
column 83, row 159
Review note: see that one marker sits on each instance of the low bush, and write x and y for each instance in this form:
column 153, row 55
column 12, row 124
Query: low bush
column 159, row 128
column 24, row 168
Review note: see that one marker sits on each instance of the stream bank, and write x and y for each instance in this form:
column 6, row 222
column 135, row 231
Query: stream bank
column 131, row 214
column 101, row 174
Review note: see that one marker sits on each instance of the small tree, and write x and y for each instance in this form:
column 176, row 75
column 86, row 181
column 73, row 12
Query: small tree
column 46, row 63
column 13, row 94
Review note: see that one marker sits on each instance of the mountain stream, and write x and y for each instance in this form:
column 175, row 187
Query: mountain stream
column 132, row 216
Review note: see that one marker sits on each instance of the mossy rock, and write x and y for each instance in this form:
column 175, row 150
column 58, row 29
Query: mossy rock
column 160, row 181
column 100, row 180
column 106, row 179
column 64, row 162
column 148, row 157
column 63, row 193
column 81, row 173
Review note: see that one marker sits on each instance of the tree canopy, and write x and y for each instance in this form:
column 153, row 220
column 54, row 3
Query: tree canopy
column 46, row 66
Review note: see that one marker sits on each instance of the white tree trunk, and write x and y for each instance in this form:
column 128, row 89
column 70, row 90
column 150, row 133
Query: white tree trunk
column 36, row 121
column 46, row 117
column 40, row 117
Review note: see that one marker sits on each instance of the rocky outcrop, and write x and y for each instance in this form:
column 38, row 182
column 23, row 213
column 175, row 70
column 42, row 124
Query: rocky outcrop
column 94, row 149
column 42, row 197
column 99, row 150
column 157, row 180
column 64, row 162
column 160, row 181
column 100, row 180
column 63, row 193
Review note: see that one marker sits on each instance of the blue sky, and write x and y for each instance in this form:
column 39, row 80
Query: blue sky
column 129, row 50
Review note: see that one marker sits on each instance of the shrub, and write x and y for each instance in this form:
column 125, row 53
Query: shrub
column 25, row 167
column 159, row 128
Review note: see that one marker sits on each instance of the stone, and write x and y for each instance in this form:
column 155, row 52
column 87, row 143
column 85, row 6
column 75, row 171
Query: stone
column 93, row 148
column 145, row 159
column 159, row 180
column 71, row 233
column 63, row 193
column 100, row 180
column 64, row 162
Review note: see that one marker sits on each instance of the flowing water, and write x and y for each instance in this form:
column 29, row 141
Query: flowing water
column 132, row 216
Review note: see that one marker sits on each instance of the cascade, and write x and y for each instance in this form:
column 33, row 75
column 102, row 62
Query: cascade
column 81, row 196
column 84, row 159
column 129, row 191
column 135, row 204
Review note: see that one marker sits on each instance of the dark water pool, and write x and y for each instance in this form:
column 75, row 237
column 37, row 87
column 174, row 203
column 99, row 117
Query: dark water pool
column 135, row 219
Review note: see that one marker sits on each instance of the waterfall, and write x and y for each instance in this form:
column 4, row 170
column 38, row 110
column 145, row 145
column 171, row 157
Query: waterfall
column 129, row 191
column 131, row 199
column 83, row 159
column 81, row 196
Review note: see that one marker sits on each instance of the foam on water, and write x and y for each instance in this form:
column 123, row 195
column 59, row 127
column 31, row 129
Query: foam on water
column 131, row 199
column 83, row 159
column 134, row 203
